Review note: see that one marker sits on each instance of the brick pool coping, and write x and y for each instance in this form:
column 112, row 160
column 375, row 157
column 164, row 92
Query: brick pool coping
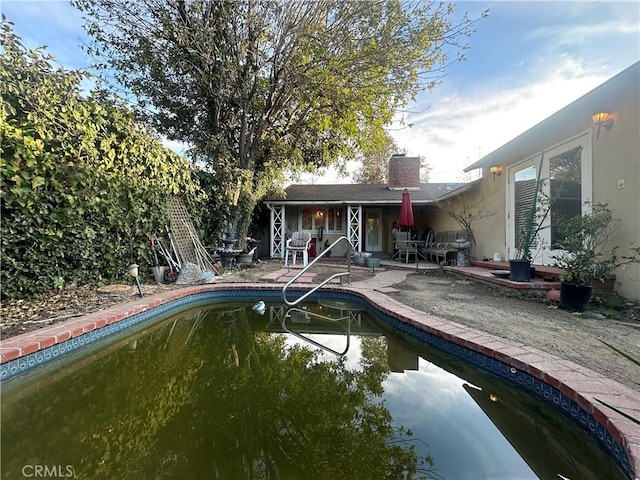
column 577, row 383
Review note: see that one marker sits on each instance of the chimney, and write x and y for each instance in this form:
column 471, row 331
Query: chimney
column 404, row 172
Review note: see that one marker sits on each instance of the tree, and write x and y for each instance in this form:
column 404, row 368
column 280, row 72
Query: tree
column 374, row 166
column 263, row 87
column 466, row 209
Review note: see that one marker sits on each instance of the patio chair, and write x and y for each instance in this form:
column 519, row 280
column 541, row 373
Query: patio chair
column 405, row 246
column 298, row 243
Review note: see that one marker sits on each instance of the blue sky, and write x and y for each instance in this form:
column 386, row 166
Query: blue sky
column 526, row 61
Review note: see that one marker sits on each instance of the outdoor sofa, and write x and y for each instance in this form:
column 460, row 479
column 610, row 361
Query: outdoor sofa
column 442, row 249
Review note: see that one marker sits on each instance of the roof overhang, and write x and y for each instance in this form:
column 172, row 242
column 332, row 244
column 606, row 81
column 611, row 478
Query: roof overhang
column 345, row 203
column 457, row 191
column 573, row 119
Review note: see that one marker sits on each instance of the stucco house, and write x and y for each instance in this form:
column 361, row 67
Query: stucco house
column 595, row 157
column 363, row 212
column 591, row 147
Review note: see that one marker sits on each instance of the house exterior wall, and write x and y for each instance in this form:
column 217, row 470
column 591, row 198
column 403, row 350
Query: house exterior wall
column 616, row 157
column 441, row 222
column 615, row 177
column 487, row 206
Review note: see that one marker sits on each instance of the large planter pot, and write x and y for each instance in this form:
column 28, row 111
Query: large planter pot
column 373, row 262
column 245, row 259
column 520, row 270
column 574, row 297
column 360, row 258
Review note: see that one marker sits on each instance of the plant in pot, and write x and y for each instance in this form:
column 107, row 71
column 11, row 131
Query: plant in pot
column 586, row 255
column 531, row 222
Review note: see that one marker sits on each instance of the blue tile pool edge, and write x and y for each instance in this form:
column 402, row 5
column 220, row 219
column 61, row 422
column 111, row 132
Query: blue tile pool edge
column 537, row 387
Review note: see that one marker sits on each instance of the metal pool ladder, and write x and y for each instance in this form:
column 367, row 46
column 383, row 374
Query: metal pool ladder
column 317, row 287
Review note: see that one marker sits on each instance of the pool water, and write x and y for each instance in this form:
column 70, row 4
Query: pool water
column 325, row 391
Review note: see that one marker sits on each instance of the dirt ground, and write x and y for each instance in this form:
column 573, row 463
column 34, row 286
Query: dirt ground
column 528, row 320
column 531, row 321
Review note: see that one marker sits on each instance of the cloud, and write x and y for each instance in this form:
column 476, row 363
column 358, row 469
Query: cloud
column 528, row 60
column 462, row 127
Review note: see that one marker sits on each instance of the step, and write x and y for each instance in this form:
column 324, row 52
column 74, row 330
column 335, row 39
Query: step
column 483, row 274
column 544, row 272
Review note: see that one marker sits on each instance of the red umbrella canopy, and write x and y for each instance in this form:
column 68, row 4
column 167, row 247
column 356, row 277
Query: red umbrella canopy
column 406, row 210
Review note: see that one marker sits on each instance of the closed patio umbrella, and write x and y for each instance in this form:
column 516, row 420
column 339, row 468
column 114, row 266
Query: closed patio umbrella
column 405, row 219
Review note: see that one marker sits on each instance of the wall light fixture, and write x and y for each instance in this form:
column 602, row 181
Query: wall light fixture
column 496, row 171
column 602, row 119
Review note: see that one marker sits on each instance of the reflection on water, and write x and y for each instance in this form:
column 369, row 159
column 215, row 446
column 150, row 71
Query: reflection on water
column 321, row 392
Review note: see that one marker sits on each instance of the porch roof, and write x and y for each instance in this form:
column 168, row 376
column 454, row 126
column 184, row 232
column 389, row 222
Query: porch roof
column 357, row 194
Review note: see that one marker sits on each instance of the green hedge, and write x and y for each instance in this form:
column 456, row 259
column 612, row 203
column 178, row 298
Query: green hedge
column 83, row 184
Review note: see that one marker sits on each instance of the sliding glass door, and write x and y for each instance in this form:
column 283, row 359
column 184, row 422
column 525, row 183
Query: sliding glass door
column 565, row 177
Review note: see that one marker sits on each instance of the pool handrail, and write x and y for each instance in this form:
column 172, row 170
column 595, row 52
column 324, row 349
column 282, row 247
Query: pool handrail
column 317, row 287
column 313, row 342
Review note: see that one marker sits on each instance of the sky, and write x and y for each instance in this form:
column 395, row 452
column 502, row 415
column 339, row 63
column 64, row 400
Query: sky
column 525, row 61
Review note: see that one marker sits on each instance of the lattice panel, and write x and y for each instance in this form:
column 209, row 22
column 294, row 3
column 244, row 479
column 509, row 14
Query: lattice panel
column 355, row 216
column 277, row 231
column 277, row 314
column 185, row 238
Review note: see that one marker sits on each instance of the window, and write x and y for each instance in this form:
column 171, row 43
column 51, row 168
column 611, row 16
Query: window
column 328, row 218
column 565, row 190
column 334, row 219
column 524, row 194
column 307, row 219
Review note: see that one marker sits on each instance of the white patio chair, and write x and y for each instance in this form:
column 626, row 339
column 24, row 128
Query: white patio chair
column 298, row 243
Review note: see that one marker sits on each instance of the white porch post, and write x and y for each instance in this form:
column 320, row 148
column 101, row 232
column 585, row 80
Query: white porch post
column 355, row 226
column 278, row 230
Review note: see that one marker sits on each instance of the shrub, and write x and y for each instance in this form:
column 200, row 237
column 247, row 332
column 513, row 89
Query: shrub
column 83, row 184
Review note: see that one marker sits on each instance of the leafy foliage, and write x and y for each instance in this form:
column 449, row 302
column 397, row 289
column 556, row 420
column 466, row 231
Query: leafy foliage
column 374, row 165
column 264, row 88
column 587, row 254
column 83, row 184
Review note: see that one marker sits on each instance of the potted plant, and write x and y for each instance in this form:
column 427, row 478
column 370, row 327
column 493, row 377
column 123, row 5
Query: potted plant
column 586, row 257
column 532, row 223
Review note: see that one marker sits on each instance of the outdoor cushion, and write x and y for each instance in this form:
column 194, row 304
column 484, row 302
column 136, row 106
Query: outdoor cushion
column 440, row 250
column 299, row 239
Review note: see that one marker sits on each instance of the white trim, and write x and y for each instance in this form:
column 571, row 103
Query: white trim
column 278, row 224
column 583, row 139
column 354, row 225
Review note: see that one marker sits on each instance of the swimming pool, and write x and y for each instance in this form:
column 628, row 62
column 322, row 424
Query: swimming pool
column 481, row 401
